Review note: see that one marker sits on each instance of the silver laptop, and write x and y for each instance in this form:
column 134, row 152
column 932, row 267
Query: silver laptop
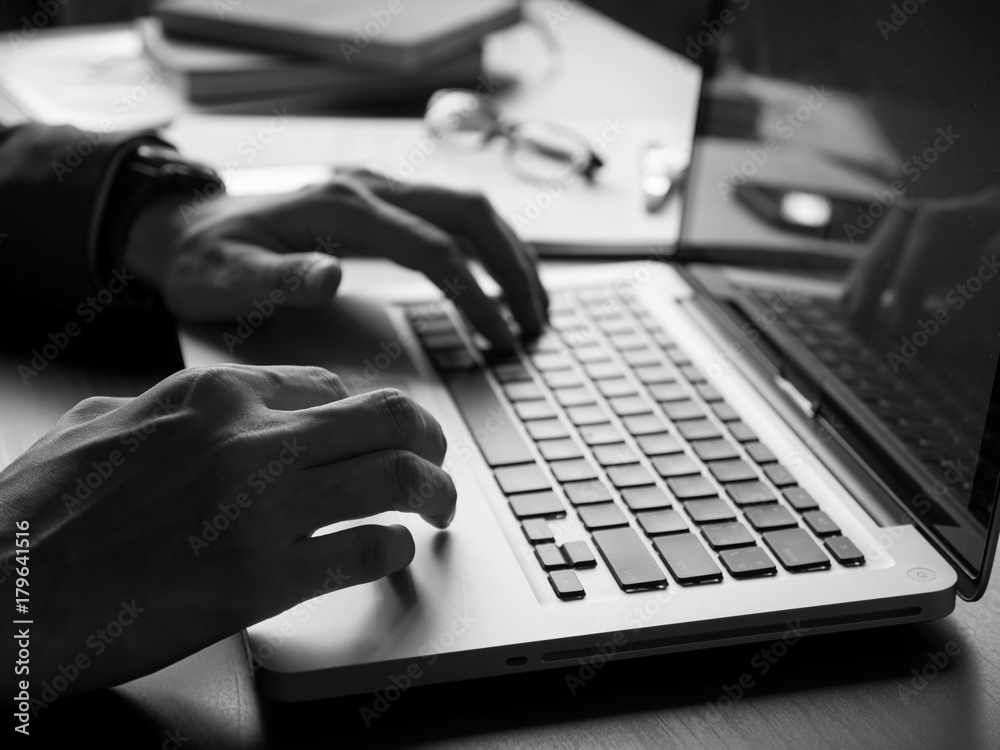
column 691, row 456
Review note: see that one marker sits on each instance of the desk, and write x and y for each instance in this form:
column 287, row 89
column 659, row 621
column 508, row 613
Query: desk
column 932, row 685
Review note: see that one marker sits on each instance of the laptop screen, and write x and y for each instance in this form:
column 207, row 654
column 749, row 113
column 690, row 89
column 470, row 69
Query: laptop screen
column 861, row 139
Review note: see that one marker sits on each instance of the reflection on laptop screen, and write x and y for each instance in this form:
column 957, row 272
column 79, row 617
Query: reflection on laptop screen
column 867, row 133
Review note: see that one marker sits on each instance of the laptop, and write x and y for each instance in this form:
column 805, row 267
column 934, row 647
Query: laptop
column 692, row 455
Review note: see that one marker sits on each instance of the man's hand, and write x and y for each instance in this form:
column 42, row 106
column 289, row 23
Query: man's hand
column 186, row 513
column 920, row 256
column 237, row 250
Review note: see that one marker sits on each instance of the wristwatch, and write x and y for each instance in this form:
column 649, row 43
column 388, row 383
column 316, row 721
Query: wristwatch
column 150, row 171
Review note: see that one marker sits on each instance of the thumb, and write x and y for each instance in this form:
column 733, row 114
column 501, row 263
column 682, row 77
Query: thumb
column 218, row 286
column 308, row 279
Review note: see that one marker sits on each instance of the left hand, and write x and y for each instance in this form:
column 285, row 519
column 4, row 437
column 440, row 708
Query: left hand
column 232, row 251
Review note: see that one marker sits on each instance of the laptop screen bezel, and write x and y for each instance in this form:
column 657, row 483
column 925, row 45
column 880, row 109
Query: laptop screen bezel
column 971, row 585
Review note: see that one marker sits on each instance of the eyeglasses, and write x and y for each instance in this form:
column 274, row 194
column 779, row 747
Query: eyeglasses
column 536, row 149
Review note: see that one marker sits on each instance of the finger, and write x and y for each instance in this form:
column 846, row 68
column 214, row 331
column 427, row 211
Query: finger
column 943, row 250
column 368, row 485
column 90, row 409
column 276, row 387
column 871, row 275
column 379, row 420
column 240, row 277
column 501, row 251
column 358, row 555
column 371, row 227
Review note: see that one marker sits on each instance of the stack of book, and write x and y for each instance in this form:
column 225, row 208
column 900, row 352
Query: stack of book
column 331, row 51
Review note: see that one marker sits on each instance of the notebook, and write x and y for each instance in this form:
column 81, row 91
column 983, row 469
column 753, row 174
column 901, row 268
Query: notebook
column 689, row 456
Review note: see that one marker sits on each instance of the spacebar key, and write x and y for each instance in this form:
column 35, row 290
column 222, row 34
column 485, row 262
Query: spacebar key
column 630, row 562
column 489, row 421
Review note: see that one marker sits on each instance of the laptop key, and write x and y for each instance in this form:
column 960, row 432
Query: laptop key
column 530, row 410
column 479, row 405
column 600, row 434
column 698, row 429
column 733, row 470
column 666, row 392
column 615, row 454
column 523, row 391
column 760, row 453
column 578, row 555
column 550, row 557
column 616, row 387
column 511, row 372
column 714, row 450
column 741, row 432
column 577, row 396
column 603, row 370
column 631, row 475
column 678, row 411
column 676, row 466
column 555, row 450
column 602, row 516
column 748, row 562
column 796, row 550
column 537, row 530
column 641, row 357
column 591, row 354
column 644, row 424
column 686, row 488
column 573, row 470
column 820, row 523
column 654, row 374
column 449, row 360
column 521, row 478
column 659, row 444
column 586, row 415
column 586, row 493
column 687, row 560
column 625, row 406
column 530, row 504
column 778, row 474
column 726, row 535
column 544, row 429
column 566, row 584
column 844, row 551
column 724, row 411
column 645, row 498
column 708, row 392
column 549, row 361
column 631, row 564
column 709, row 511
column 562, row 378
column 767, row 517
column 750, row 493
column 799, row 499
column 662, row 522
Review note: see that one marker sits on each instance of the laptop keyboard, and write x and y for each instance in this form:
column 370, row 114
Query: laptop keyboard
column 924, row 412
column 605, row 417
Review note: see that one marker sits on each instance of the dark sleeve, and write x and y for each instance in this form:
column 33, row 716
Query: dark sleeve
column 54, row 186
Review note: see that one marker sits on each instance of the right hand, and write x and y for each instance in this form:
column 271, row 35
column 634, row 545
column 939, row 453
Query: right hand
column 920, row 254
column 196, row 501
